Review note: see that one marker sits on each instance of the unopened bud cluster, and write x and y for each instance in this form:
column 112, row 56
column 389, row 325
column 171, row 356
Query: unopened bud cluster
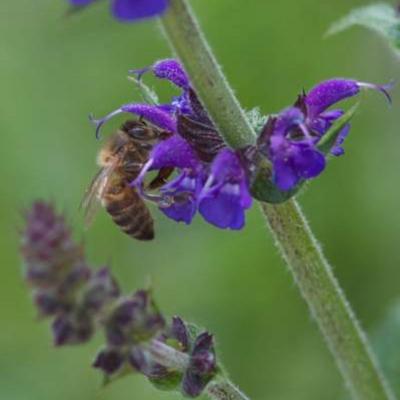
column 80, row 300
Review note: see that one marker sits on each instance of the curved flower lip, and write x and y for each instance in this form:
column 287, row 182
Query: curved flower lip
column 331, row 91
column 169, row 69
column 156, row 115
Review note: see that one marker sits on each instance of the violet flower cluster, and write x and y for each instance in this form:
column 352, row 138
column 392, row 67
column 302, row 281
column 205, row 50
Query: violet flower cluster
column 212, row 178
column 130, row 10
column 81, row 300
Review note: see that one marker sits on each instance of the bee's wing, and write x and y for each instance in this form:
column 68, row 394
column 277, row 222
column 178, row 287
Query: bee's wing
column 91, row 201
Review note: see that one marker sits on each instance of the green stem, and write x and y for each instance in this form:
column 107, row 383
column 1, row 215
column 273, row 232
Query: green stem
column 220, row 388
column 184, row 34
column 326, row 301
column 300, row 249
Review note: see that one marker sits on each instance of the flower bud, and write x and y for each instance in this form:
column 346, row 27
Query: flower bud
column 202, row 366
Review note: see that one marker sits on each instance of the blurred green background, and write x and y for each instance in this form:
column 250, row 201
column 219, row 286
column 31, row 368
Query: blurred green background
column 55, row 70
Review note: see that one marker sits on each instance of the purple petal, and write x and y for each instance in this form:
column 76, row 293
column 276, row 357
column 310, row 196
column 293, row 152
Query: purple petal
column 226, row 165
column 225, row 209
column 181, row 211
column 287, row 119
column 182, row 192
column 324, row 121
column 285, row 176
column 173, row 152
column 133, row 10
column 328, row 93
column 173, row 71
column 309, row 163
column 154, row 114
column 337, row 149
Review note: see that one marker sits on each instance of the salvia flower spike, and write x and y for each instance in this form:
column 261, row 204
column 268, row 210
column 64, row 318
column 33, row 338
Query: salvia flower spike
column 80, row 301
column 217, row 181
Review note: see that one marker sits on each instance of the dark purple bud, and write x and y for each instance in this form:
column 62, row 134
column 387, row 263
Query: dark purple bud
column 134, row 320
column 101, row 289
column 74, row 280
column 109, row 360
column 203, row 356
column 180, row 333
column 72, row 328
column 202, row 366
column 193, row 384
column 47, row 303
column 47, row 247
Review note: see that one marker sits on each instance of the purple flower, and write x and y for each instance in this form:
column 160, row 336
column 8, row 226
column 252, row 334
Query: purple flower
column 130, row 10
column 180, row 197
column 209, row 177
column 225, row 195
column 290, row 139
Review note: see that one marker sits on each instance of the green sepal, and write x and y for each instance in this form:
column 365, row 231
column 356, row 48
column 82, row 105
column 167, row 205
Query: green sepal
column 329, row 139
column 264, row 189
column 381, row 18
column 170, row 382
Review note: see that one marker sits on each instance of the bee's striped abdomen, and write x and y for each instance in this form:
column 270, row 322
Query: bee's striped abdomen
column 129, row 212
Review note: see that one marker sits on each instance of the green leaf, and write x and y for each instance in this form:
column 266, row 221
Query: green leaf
column 330, row 137
column 381, row 18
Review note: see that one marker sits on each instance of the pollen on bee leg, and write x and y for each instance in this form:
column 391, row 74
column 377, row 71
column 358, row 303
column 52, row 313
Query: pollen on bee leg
column 98, row 123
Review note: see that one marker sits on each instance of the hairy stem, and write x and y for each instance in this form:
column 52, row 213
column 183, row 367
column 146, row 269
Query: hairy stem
column 326, row 301
column 184, row 34
column 220, row 388
column 299, row 248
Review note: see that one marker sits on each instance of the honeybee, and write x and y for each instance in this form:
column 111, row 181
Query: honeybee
column 121, row 160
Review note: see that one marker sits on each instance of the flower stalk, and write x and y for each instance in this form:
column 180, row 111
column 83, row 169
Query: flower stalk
column 220, row 388
column 184, row 34
column 299, row 247
column 81, row 300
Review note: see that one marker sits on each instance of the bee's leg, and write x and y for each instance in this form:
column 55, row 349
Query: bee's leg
column 161, row 178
